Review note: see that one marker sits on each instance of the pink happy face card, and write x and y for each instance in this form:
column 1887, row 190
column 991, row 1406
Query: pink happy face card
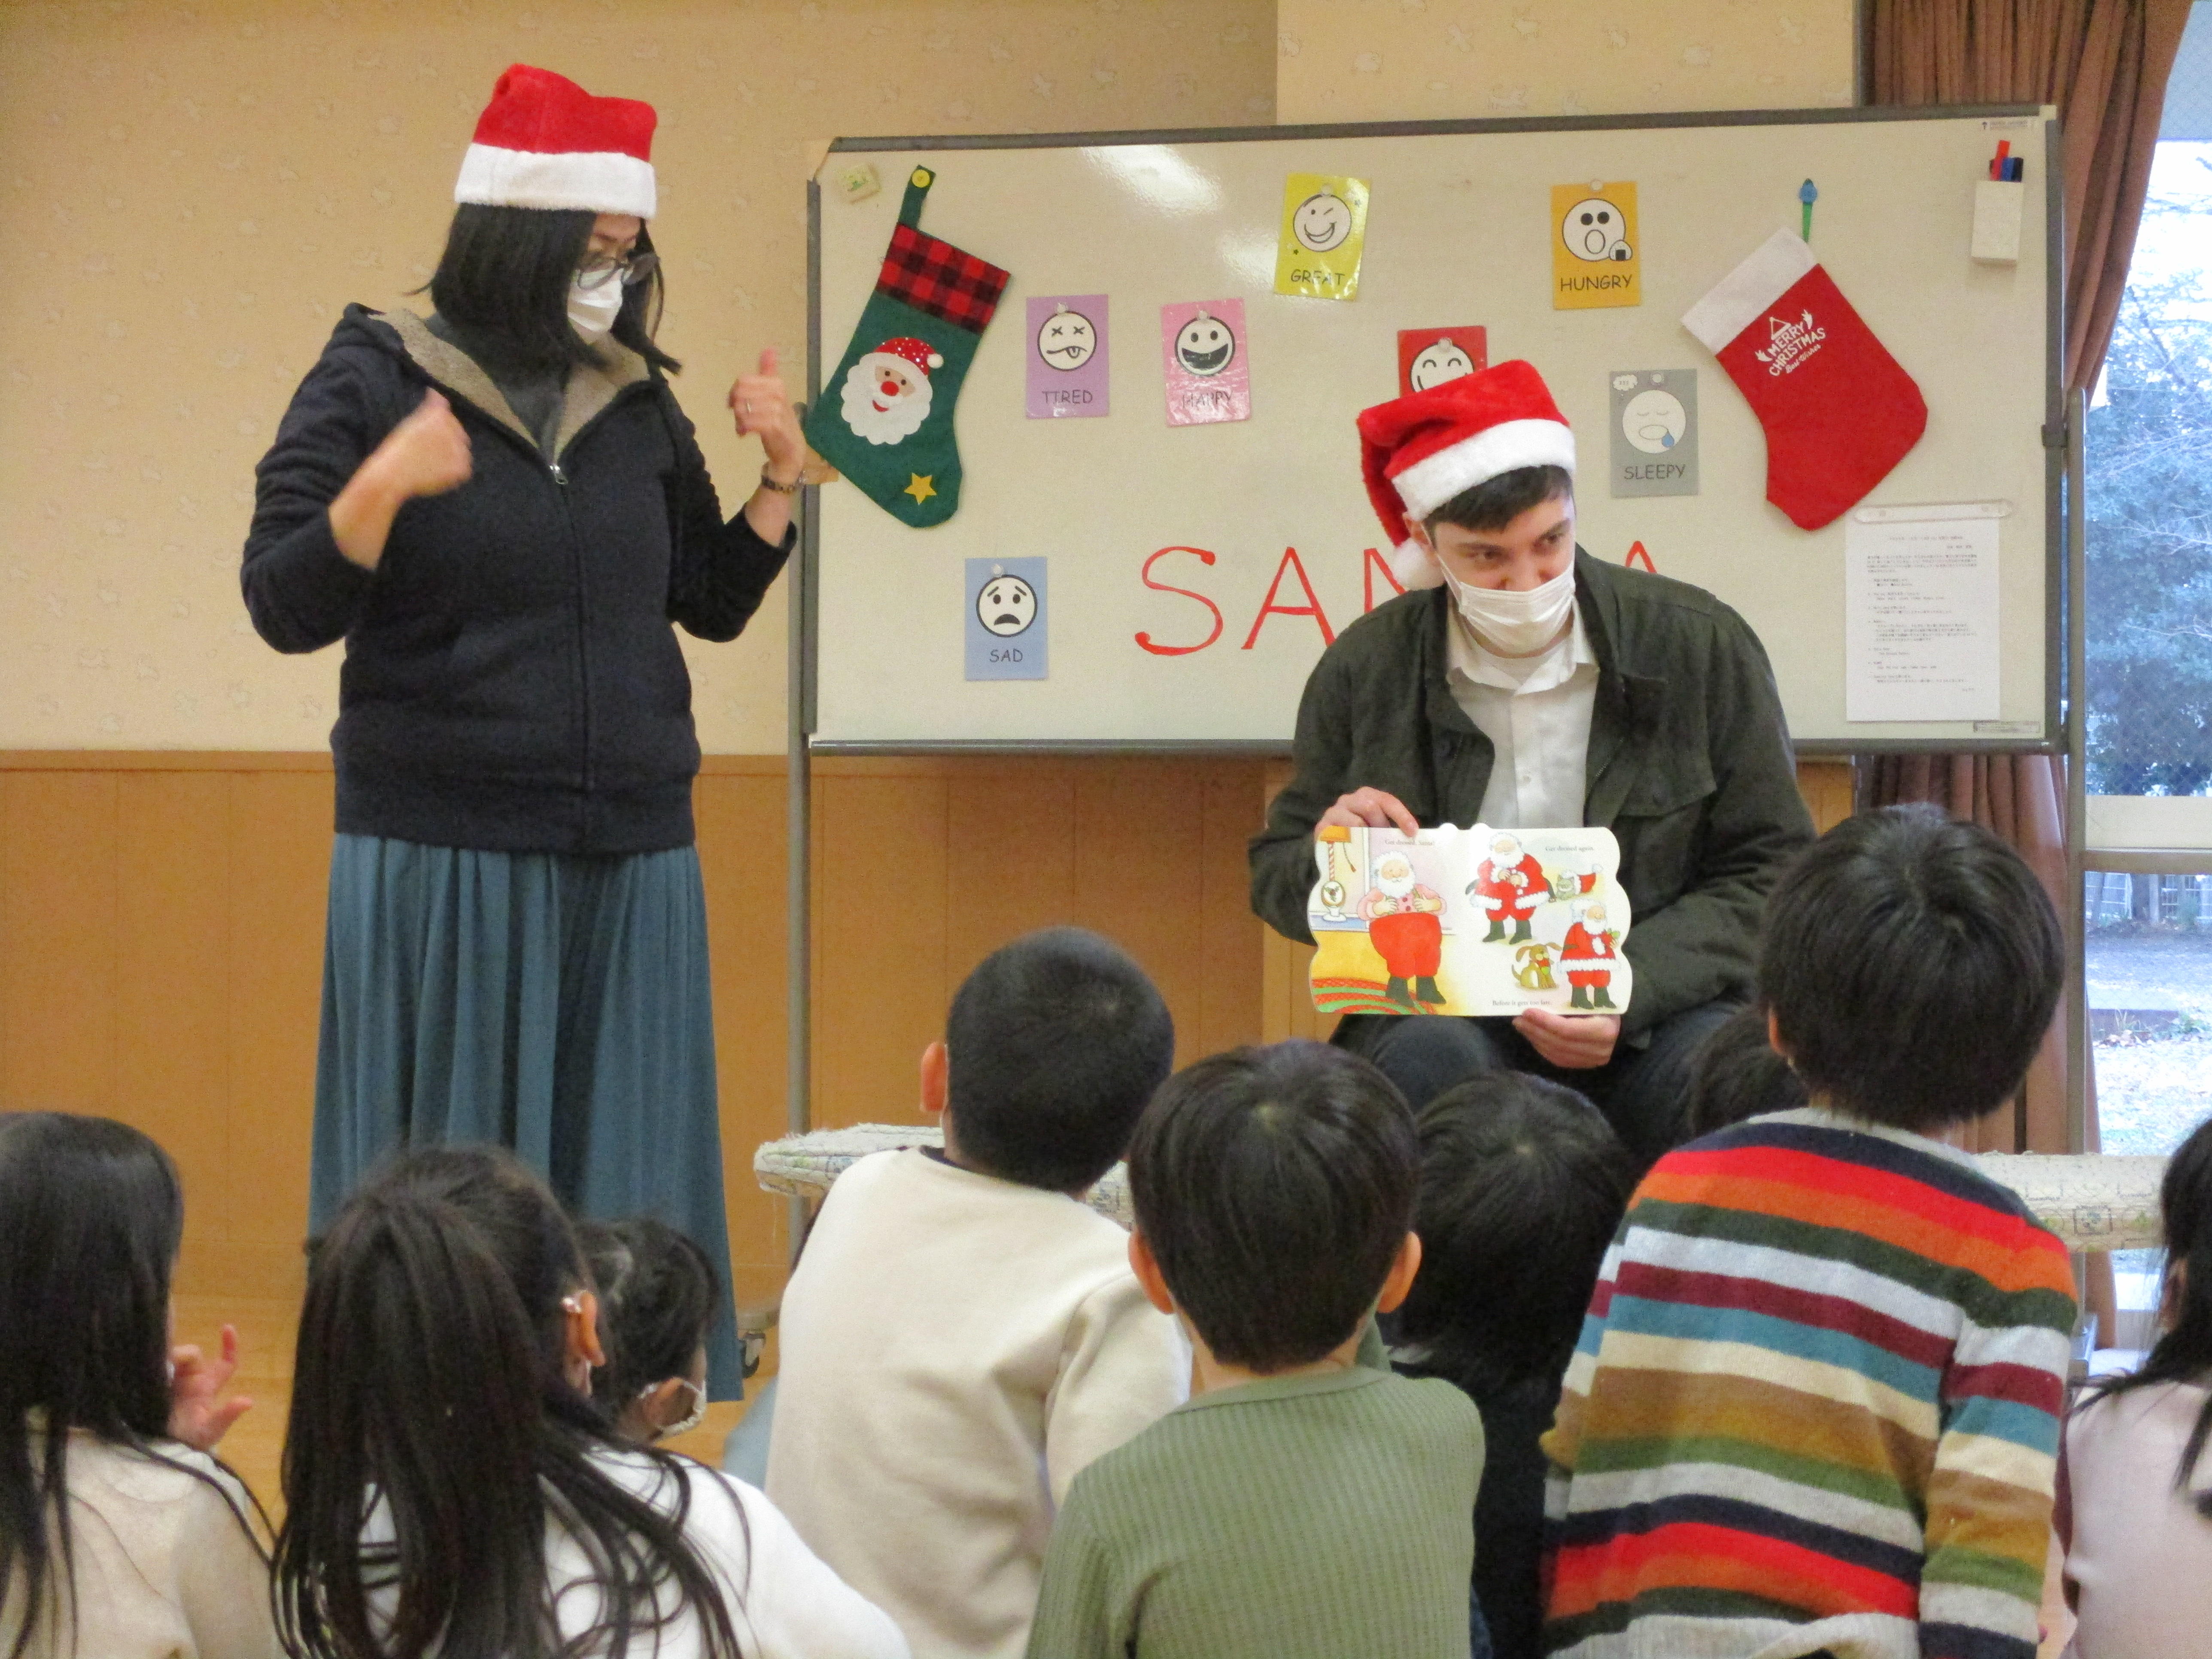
column 1209, row 373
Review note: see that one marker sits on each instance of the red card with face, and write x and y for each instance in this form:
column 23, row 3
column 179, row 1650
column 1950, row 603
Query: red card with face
column 1429, row 356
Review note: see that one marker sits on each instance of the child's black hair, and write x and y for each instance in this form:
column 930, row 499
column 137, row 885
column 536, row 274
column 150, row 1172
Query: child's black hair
column 91, row 1216
column 1912, row 963
column 1523, row 1186
column 506, row 272
column 2183, row 1352
column 429, row 1389
column 1496, row 502
column 1275, row 1187
column 1736, row 1074
column 1056, row 1042
column 657, row 1294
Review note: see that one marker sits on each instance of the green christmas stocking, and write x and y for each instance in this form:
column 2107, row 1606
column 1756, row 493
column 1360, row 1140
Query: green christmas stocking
column 884, row 418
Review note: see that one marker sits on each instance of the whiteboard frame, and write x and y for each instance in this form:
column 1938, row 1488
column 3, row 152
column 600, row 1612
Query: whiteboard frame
column 805, row 570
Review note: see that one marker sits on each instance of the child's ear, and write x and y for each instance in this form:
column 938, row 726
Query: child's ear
column 1147, row 1267
column 1400, row 1281
column 936, row 1078
column 1774, row 1034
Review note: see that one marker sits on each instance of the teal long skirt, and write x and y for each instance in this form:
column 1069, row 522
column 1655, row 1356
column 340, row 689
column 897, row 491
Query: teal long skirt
column 557, row 1005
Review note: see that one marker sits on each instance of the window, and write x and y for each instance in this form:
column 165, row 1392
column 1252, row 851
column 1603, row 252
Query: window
column 2148, row 621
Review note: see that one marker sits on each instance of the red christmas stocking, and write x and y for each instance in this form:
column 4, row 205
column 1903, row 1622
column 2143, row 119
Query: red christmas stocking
column 1837, row 410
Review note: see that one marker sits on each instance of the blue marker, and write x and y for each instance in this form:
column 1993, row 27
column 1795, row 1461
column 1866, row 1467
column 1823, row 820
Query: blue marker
column 1806, row 196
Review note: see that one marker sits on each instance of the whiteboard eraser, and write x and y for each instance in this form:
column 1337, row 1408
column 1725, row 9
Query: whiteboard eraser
column 858, row 182
column 1997, row 220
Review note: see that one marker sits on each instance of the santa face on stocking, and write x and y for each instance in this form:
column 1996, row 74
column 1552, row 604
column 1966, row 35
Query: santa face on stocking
column 886, row 395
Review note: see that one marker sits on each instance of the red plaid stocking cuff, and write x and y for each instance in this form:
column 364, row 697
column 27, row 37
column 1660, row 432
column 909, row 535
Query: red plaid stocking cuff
column 936, row 278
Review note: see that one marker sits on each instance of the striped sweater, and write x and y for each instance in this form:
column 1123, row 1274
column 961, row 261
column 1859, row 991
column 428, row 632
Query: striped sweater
column 1815, row 1408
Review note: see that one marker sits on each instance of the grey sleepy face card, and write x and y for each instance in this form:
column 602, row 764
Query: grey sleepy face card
column 1005, row 627
column 1655, row 431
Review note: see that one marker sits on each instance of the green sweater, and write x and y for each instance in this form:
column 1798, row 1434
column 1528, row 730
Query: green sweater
column 1302, row 1517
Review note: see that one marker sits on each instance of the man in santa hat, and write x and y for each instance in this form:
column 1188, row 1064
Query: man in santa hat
column 1520, row 683
column 1508, row 885
column 1404, row 924
column 1588, row 953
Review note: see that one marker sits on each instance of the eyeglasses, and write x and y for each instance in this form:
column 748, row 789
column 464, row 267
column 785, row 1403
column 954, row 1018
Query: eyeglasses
column 600, row 269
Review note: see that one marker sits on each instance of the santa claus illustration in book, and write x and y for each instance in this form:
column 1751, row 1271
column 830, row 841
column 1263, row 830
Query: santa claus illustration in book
column 1509, row 885
column 1588, row 953
column 1404, row 924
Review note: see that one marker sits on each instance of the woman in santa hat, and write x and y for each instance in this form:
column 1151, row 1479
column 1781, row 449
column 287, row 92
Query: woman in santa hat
column 501, row 510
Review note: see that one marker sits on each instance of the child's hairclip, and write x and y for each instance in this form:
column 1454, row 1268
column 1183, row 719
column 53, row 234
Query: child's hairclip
column 571, row 1304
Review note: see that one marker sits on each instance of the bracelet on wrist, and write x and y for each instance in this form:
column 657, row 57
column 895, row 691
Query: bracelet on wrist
column 770, row 481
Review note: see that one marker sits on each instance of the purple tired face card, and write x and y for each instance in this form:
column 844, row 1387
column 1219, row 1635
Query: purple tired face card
column 1209, row 375
column 1067, row 355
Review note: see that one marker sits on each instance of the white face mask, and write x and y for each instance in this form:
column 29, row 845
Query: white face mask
column 592, row 311
column 1516, row 624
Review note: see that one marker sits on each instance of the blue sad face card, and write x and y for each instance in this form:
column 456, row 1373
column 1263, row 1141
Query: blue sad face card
column 1005, row 627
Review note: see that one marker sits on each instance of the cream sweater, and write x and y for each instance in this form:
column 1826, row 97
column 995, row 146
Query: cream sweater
column 955, row 1349
column 2140, row 1557
column 165, row 1569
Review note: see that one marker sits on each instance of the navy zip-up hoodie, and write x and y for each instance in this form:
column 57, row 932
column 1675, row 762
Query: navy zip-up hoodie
column 512, row 681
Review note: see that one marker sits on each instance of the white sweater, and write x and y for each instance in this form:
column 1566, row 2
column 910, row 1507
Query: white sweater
column 784, row 1604
column 165, row 1567
column 955, row 1349
column 2141, row 1559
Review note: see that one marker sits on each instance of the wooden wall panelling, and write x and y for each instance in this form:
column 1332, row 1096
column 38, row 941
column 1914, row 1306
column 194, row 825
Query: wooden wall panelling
column 57, row 922
column 1230, row 936
column 740, row 804
column 879, row 886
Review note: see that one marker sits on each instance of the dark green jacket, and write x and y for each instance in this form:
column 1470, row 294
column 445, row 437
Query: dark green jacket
column 1689, row 765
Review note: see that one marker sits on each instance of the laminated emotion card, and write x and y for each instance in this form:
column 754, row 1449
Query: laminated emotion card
column 1471, row 920
column 1067, row 355
column 1324, row 233
column 1005, row 627
column 1209, row 373
column 1654, row 431
column 1429, row 356
column 1593, row 247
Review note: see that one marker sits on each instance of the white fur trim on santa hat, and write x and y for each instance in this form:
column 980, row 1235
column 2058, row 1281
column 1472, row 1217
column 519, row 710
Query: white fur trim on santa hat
column 597, row 181
column 1414, row 567
column 1510, row 444
column 1772, row 270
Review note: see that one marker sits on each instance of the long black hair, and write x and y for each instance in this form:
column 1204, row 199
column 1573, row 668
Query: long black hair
column 657, row 1295
column 428, row 1395
column 2184, row 1352
column 505, row 274
column 91, row 1215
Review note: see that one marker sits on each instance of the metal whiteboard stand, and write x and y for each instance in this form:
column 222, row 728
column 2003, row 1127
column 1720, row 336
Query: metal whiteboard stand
column 798, row 773
column 2077, row 783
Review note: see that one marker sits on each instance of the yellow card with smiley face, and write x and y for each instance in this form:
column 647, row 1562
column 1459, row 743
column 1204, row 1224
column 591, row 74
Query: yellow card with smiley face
column 1594, row 247
column 1324, row 232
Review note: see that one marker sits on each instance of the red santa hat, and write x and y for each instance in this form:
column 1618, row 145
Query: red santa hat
column 1419, row 450
column 919, row 353
column 543, row 141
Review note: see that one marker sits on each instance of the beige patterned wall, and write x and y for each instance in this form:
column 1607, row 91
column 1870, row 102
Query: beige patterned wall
column 194, row 191
column 1378, row 60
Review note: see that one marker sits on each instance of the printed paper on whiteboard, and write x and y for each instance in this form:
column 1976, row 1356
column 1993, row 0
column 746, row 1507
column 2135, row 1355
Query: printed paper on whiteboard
column 1920, row 624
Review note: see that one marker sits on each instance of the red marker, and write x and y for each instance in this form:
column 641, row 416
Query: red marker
column 1997, row 167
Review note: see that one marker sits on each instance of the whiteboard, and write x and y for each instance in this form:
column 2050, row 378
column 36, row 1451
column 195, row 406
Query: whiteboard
column 1458, row 231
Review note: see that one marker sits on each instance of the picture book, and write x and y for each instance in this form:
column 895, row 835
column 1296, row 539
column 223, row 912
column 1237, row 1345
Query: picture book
column 1469, row 920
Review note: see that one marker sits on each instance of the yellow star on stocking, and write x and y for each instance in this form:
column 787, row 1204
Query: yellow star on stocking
column 919, row 487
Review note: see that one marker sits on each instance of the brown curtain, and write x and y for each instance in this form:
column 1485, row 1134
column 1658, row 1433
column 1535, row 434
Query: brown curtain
column 2104, row 63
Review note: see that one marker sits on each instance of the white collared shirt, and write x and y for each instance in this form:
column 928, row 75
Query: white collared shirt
column 1536, row 713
